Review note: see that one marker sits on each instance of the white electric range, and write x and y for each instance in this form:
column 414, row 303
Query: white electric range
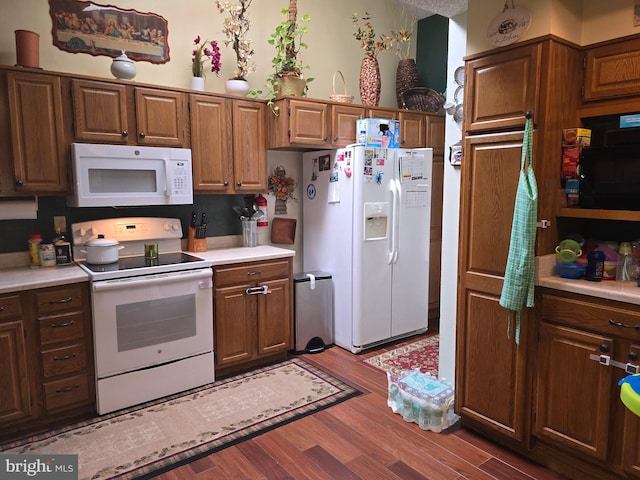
column 152, row 317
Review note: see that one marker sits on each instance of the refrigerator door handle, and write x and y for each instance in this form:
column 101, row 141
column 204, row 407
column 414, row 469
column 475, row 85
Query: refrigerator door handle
column 396, row 219
column 395, row 198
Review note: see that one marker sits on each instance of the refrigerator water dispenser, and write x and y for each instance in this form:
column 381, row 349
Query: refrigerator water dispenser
column 376, row 217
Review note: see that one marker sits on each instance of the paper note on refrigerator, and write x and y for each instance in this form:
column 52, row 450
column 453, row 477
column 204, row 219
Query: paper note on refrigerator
column 411, row 167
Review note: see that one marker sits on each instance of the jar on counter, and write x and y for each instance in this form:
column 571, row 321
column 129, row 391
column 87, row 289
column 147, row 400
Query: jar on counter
column 47, row 254
column 34, row 240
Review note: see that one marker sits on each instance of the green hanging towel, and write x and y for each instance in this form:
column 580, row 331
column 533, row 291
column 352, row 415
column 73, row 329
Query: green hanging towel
column 519, row 277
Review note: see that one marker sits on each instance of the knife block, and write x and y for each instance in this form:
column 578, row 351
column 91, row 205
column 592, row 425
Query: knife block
column 195, row 244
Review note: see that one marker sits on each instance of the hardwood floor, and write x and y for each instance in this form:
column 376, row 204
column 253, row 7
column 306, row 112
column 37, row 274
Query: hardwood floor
column 361, row 439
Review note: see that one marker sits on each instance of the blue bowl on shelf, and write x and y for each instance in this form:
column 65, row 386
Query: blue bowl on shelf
column 573, row 271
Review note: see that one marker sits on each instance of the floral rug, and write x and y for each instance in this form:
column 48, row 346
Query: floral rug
column 143, row 441
column 422, row 354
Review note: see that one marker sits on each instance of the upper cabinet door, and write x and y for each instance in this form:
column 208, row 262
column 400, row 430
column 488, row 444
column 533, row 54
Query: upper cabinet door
column 412, row 129
column 501, row 88
column 100, row 111
column 343, row 124
column 161, row 117
column 308, row 123
column 211, row 144
column 37, row 133
column 249, row 147
column 612, row 70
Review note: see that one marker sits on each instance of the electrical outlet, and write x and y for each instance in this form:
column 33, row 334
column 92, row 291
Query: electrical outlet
column 60, row 222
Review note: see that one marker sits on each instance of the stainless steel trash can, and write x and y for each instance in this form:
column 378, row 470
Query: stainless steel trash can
column 313, row 306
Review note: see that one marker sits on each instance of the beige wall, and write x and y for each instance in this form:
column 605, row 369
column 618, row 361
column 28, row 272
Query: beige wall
column 580, row 21
column 330, row 38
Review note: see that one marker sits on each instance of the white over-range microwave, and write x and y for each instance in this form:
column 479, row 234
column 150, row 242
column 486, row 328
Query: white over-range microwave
column 121, row 175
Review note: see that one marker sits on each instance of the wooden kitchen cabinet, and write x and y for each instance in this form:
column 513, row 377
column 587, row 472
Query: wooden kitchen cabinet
column 37, row 135
column 304, row 123
column 612, row 69
column 15, row 393
column 343, row 124
column 65, row 348
column 235, row 161
column 46, row 349
column 501, row 86
column 116, row 113
column 578, row 408
column 413, row 129
column 252, row 327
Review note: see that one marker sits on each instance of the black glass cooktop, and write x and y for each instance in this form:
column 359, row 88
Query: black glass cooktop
column 130, row 263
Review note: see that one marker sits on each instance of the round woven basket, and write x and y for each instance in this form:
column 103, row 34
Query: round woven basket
column 340, row 97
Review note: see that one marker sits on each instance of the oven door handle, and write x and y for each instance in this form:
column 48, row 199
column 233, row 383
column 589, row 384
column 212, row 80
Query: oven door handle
column 204, row 275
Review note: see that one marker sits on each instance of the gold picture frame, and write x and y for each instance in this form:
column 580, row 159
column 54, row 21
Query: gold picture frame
column 88, row 27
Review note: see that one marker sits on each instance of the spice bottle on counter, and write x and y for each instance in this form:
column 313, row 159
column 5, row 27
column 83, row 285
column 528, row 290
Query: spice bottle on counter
column 64, row 255
column 34, row 240
column 595, row 266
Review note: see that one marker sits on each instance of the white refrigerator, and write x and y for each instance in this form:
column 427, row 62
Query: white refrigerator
column 366, row 221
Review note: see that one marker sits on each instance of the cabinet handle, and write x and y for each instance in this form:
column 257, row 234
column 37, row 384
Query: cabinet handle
column 254, row 272
column 325, row 139
column 1, row 309
column 67, row 389
column 633, row 356
column 623, row 325
column 604, row 348
column 62, row 300
column 226, row 183
column 125, row 134
column 19, row 183
column 66, row 357
column 142, row 135
column 239, row 184
column 258, row 290
column 60, row 325
column 335, row 139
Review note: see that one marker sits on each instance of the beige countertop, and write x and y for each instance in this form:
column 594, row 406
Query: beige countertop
column 16, row 278
column 24, row 278
column 627, row 292
column 225, row 256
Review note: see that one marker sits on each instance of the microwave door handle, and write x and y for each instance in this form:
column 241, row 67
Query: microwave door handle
column 169, row 178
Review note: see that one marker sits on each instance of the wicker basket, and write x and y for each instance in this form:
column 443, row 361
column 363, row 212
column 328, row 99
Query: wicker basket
column 340, row 97
column 423, row 99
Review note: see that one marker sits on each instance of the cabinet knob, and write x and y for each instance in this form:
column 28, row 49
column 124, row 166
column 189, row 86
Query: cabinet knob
column 633, row 356
column 325, row 139
column 335, row 139
column 239, row 184
column 19, row 183
column 604, row 348
column 226, row 183
column 125, row 134
column 142, row 135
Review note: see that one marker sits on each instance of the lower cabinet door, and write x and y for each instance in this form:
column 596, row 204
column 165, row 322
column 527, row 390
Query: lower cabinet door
column 274, row 327
column 573, row 391
column 234, row 328
column 15, row 401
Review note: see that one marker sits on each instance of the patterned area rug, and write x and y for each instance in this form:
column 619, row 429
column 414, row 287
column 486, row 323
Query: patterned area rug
column 422, row 354
column 143, row 441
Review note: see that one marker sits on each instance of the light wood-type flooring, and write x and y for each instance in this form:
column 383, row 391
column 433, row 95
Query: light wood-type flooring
column 361, row 439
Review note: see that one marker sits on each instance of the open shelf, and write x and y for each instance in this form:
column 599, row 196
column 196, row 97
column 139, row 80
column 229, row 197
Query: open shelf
column 625, row 215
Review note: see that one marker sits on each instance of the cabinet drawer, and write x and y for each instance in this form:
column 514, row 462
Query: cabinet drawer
column 66, row 392
column 597, row 317
column 64, row 360
column 256, row 272
column 10, row 307
column 59, row 300
column 59, row 328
